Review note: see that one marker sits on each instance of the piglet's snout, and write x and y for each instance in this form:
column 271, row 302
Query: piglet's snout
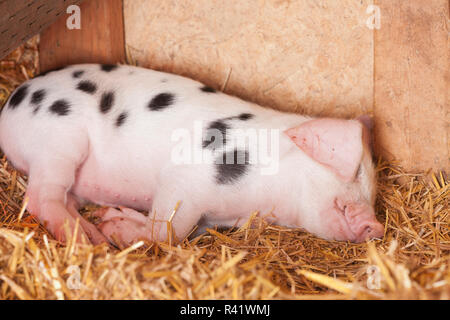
column 370, row 230
column 363, row 223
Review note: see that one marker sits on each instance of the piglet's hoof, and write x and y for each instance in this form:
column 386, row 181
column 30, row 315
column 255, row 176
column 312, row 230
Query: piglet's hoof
column 94, row 235
column 122, row 227
column 64, row 232
column 86, row 233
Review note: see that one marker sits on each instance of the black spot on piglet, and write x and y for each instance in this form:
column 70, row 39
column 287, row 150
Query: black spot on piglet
column 18, row 96
column 208, row 89
column 87, row 86
column 106, row 101
column 60, row 107
column 37, row 96
column 121, row 119
column 161, row 101
column 211, row 139
column 245, row 116
column 77, row 74
column 108, row 67
column 242, row 117
column 231, row 166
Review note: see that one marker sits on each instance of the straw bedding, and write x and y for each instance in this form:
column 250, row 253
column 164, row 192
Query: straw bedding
column 256, row 261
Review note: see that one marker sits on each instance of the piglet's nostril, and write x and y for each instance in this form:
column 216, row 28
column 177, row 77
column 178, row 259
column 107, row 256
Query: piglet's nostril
column 366, row 233
column 371, row 231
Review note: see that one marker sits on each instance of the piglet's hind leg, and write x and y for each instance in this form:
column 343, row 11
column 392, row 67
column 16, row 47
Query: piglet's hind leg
column 47, row 189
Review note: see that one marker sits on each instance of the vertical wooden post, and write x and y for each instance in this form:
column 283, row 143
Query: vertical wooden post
column 411, row 101
column 100, row 39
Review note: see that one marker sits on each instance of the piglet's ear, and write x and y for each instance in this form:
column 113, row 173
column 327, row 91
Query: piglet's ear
column 367, row 130
column 335, row 143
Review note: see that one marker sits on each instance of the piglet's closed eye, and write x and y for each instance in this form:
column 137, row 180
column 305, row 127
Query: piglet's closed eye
column 335, row 143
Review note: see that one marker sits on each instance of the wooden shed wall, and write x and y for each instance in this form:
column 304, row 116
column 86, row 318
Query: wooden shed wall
column 316, row 57
column 100, row 39
column 308, row 56
column 412, row 83
column 21, row 19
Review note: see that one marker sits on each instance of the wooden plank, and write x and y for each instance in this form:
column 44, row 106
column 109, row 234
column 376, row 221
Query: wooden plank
column 100, row 39
column 411, row 101
column 22, row 19
column 307, row 56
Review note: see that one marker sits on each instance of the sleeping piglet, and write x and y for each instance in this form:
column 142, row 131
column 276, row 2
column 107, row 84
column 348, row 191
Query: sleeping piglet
column 134, row 139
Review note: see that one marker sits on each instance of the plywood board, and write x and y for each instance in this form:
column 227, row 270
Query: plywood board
column 412, row 104
column 314, row 57
column 100, row 39
column 308, row 56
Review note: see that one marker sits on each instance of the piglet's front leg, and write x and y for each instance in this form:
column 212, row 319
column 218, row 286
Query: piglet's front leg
column 125, row 226
column 94, row 235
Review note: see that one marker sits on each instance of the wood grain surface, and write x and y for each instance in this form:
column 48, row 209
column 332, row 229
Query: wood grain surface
column 100, row 39
column 411, row 102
